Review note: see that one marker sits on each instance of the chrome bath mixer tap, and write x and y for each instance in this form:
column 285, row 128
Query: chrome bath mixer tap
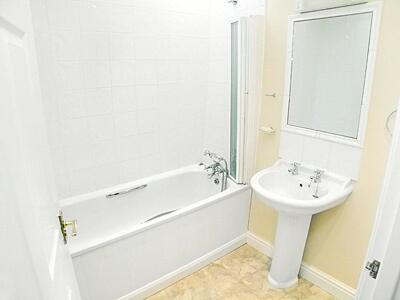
column 218, row 167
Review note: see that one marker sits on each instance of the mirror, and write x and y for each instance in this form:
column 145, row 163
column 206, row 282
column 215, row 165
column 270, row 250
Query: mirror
column 328, row 73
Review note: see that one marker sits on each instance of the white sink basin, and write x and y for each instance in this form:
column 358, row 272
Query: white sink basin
column 292, row 194
column 296, row 200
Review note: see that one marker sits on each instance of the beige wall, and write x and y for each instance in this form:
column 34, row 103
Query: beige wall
column 338, row 238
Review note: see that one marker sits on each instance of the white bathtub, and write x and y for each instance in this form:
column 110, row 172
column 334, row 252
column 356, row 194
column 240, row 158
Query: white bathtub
column 118, row 255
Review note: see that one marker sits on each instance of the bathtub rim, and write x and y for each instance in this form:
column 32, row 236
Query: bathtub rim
column 123, row 186
column 233, row 188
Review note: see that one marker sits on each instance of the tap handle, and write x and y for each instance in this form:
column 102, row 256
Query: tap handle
column 319, row 172
column 215, row 157
column 295, row 165
column 210, row 167
column 206, row 152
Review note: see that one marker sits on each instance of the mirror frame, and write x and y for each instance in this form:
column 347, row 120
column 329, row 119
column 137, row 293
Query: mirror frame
column 375, row 9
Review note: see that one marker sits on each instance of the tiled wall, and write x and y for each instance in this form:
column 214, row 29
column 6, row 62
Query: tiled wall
column 218, row 89
column 131, row 87
column 336, row 157
column 124, row 85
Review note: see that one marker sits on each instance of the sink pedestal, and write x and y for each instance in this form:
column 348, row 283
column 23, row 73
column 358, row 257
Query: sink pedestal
column 290, row 240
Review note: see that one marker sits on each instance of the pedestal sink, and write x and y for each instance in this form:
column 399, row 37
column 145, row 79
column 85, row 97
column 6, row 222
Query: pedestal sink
column 286, row 187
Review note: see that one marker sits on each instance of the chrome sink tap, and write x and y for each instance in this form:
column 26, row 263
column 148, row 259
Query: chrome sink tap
column 316, row 178
column 294, row 170
column 218, row 167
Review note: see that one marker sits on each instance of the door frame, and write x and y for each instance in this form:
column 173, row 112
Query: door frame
column 384, row 244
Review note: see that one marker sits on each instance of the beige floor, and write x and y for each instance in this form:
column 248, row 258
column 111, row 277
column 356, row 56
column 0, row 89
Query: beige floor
column 239, row 275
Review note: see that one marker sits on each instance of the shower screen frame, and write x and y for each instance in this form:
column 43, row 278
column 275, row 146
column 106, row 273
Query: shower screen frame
column 239, row 74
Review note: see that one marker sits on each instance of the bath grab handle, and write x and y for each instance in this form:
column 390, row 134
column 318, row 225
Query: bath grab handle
column 160, row 215
column 140, row 187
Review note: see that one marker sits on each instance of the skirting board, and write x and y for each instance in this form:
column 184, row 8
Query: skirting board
column 316, row 276
column 167, row 280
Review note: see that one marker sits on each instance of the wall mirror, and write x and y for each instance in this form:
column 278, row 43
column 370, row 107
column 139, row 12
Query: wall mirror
column 330, row 57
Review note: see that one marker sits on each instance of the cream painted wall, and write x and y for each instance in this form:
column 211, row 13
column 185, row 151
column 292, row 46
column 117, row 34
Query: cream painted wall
column 338, row 238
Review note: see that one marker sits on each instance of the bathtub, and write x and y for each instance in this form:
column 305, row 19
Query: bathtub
column 130, row 245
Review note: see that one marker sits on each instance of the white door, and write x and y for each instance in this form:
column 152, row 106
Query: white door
column 26, row 175
column 384, row 245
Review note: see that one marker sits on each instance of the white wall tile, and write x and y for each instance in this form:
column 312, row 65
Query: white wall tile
column 146, row 22
column 75, row 131
column 146, row 47
column 196, row 72
column 55, row 133
column 345, row 160
column 146, row 96
column 98, row 101
column 126, row 124
column 172, row 140
column 217, row 140
column 125, row 98
column 95, row 46
column 169, row 119
column 63, row 14
column 335, row 157
column 193, row 6
column 316, row 151
column 218, row 95
column 148, row 144
column 106, row 176
column 168, row 72
column 220, row 48
column 219, row 26
column 169, row 96
column 130, row 170
column 128, row 147
column 121, row 18
column 122, row 46
column 123, row 73
column 170, row 23
column 97, row 74
column 79, row 156
column 171, row 47
column 194, row 25
column 100, row 128
column 64, row 44
column 147, row 121
column 69, row 75
column 219, row 71
column 139, row 168
column 104, row 152
column 291, row 147
column 145, row 72
column 93, row 16
column 81, row 181
column 72, row 105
